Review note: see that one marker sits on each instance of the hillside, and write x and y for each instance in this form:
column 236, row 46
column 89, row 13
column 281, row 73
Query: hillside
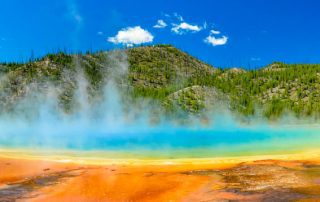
column 169, row 78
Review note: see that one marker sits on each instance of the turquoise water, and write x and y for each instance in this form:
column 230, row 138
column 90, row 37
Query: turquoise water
column 161, row 141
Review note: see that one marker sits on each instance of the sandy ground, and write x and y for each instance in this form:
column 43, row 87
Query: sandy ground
column 254, row 180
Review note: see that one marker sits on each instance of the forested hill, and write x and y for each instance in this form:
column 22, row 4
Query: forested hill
column 174, row 80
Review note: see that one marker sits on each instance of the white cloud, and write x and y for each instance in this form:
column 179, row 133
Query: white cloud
column 216, row 41
column 185, row 27
column 160, row 24
column 74, row 11
column 179, row 17
column 215, row 32
column 205, row 25
column 131, row 36
column 100, row 33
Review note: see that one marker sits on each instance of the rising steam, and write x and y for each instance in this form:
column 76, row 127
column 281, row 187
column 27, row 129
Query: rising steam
column 112, row 121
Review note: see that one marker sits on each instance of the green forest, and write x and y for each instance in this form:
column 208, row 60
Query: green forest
column 171, row 78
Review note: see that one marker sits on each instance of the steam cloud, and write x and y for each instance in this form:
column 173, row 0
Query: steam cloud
column 113, row 123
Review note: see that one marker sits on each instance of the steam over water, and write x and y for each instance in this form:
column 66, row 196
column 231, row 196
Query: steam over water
column 107, row 127
column 160, row 141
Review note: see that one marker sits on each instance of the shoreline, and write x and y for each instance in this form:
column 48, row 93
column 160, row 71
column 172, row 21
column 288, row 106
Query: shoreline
column 97, row 158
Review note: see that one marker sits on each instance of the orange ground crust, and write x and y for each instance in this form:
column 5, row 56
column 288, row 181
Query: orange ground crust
column 127, row 182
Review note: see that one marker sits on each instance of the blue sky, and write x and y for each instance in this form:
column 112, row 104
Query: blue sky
column 228, row 33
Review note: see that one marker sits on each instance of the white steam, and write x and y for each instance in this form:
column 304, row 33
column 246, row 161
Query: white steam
column 116, row 121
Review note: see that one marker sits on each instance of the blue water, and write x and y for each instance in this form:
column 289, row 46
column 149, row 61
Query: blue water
column 163, row 140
